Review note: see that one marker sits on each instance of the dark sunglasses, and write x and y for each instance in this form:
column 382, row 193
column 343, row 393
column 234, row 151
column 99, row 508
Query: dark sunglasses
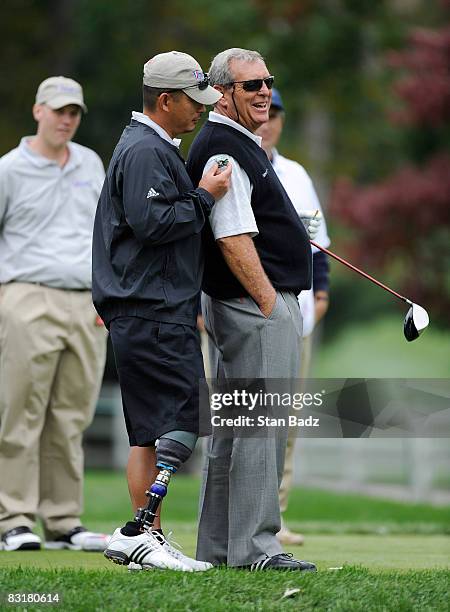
column 255, row 84
column 203, row 84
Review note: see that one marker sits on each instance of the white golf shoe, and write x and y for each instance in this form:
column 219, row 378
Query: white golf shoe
column 197, row 566
column 144, row 550
column 79, row 538
column 20, row 538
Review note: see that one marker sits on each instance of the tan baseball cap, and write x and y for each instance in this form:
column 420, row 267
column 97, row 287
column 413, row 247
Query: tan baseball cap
column 59, row 91
column 176, row 70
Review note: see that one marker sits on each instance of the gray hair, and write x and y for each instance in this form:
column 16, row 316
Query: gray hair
column 219, row 71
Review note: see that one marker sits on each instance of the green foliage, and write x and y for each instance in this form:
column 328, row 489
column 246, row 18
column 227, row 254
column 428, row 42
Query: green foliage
column 404, row 217
column 322, row 53
column 329, row 60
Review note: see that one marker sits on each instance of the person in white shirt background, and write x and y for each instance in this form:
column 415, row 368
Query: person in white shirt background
column 313, row 302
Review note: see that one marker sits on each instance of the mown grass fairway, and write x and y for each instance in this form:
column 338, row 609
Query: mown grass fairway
column 400, row 552
column 350, row 589
column 393, row 557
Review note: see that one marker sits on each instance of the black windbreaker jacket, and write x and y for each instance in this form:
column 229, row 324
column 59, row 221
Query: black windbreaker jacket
column 147, row 259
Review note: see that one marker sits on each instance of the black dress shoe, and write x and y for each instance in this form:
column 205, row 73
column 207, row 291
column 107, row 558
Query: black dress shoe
column 283, row 562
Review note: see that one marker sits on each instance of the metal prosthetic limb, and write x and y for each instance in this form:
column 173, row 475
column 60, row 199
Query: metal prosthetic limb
column 145, row 517
column 170, row 454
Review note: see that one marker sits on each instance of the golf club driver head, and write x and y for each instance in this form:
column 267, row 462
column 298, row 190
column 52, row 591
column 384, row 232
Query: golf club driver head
column 416, row 321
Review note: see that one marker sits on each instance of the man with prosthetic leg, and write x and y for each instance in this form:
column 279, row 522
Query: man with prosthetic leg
column 147, row 270
column 146, row 547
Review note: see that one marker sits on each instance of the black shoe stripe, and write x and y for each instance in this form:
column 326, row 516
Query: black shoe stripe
column 135, row 553
column 140, row 553
column 260, row 565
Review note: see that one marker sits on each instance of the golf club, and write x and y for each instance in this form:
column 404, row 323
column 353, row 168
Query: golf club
column 416, row 320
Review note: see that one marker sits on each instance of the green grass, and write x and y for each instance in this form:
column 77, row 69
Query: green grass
column 349, row 589
column 378, row 349
column 311, row 510
column 401, row 552
column 388, row 562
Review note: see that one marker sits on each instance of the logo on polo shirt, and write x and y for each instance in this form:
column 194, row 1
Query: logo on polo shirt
column 264, row 174
column 152, row 193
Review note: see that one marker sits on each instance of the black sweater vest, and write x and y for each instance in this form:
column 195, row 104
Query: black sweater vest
column 282, row 243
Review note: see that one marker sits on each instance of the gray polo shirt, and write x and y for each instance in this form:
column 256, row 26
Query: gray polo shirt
column 47, row 216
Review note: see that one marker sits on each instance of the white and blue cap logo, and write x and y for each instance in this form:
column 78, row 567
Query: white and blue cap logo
column 199, row 75
column 60, row 91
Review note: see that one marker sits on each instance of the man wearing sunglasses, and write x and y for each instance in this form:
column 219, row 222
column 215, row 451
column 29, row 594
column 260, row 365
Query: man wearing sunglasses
column 147, row 268
column 257, row 259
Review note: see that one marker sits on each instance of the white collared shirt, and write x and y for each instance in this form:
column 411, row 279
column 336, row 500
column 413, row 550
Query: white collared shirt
column 143, row 118
column 233, row 214
column 300, row 189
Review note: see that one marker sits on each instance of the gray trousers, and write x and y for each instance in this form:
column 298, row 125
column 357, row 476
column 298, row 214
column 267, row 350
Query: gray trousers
column 239, row 507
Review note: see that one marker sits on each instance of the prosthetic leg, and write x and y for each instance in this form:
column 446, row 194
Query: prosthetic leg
column 137, row 544
column 172, row 449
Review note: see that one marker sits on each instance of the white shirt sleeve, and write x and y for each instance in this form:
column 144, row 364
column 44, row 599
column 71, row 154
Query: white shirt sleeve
column 3, row 191
column 322, row 237
column 233, row 214
column 300, row 189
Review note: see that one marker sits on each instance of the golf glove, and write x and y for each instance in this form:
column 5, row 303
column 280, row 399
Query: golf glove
column 311, row 219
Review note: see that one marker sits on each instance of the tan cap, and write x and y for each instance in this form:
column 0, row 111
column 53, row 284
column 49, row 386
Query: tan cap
column 176, row 70
column 57, row 92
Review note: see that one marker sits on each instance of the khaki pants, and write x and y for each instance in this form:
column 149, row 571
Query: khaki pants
column 52, row 356
column 286, row 483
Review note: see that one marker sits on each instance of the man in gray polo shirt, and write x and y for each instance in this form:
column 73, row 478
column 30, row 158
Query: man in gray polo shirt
column 52, row 344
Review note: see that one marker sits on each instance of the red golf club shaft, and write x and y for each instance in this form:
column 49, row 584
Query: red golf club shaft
column 352, row 267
